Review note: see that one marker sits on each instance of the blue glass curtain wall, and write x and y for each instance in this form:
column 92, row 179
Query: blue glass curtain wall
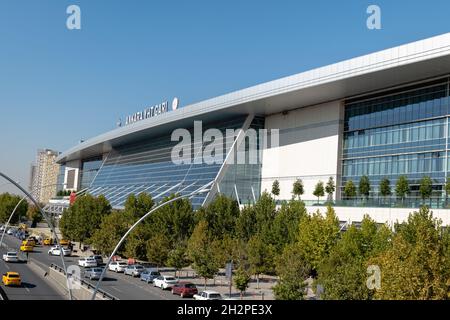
column 400, row 133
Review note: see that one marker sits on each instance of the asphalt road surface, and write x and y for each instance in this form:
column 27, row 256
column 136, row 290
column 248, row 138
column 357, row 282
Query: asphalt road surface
column 117, row 284
column 33, row 286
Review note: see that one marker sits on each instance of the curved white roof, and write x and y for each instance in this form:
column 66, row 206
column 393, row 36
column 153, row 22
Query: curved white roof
column 392, row 67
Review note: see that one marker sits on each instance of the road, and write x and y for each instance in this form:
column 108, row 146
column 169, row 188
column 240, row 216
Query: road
column 117, row 284
column 33, row 286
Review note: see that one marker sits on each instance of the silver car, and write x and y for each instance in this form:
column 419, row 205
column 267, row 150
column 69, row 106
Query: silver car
column 93, row 273
column 134, row 270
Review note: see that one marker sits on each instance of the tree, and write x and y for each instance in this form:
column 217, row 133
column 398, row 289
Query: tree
column 364, row 187
column 343, row 274
column 402, row 188
column 284, row 227
column 416, row 266
column 221, row 215
column 158, row 248
column 83, row 218
column 111, row 230
column 201, row 253
column 350, row 189
column 175, row 220
column 319, row 190
column 276, row 188
column 7, row 204
column 330, row 188
column 265, row 212
column 317, row 235
column 385, row 188
column 292, row 270
column 34, row 215
column 177, row 258
column 297, row 188
column 260, row 256
column 447, row 189
column 241, row 280
column 138, row 206
column 426, row 187
column 245, row 223
column 136, row 245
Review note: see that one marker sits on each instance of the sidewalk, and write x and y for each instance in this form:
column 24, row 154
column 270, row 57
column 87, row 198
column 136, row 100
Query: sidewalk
column 221, row 284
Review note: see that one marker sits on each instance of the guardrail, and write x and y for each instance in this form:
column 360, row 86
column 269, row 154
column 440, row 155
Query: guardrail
column 3, row 296
column 86, row 284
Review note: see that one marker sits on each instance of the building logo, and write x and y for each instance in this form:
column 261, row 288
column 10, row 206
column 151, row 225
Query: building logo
column 175, row 104
column 151, row 112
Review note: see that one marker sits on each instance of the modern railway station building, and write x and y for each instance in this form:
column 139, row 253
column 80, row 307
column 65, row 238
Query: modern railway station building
column 382, row 115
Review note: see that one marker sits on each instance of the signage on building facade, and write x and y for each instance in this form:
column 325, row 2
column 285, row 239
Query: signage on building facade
column 151, row 112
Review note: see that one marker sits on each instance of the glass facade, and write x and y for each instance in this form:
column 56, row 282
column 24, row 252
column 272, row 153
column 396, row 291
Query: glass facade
column 147, row 166
column 89, row 171
column 402, row 132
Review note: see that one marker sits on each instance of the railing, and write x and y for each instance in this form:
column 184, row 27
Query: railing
column 86, row 284
column 407, row 203
column 3, row 296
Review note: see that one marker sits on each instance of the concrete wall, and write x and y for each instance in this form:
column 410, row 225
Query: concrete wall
column 380, row 215
column 73, row 165
column 58, row 281
column 309, row 148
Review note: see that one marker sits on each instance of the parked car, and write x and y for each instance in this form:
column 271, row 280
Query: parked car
column 118, row 266
column 165, row 282
column 148, row 275
column 134, row 270
column 11, row 257
column 98, row 258
column 11, row 279
column 87, row 262
column 64, row 242
column 48, row 242
column 56, row 251
column 184, row 289
column 10, row 231
column 93, row 273
column 208, row 295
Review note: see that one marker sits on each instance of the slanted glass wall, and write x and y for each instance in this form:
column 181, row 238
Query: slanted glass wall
column 242, row 181
column 402, row 132
column 89, row 171
column 147, row 166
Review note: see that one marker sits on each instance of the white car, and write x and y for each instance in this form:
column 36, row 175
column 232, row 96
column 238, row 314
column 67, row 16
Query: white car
column 87, row 262
column 10, row 231
column 164, row 282
column 11, row 257
column 208, row 295
column 55, row 251
column 118, row 266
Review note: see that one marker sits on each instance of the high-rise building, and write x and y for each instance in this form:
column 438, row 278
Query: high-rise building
column 44, row 175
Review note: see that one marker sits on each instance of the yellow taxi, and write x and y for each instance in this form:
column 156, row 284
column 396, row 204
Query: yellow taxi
column 48, row 242
column 11, row 279
column 29, row 242
column 26, row 248
column 64, row 242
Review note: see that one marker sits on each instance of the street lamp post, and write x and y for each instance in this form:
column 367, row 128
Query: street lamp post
column 48, row 222
column 203, row 189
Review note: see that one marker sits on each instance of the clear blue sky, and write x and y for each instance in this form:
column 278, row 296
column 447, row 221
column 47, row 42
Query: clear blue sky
column 58, row 86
